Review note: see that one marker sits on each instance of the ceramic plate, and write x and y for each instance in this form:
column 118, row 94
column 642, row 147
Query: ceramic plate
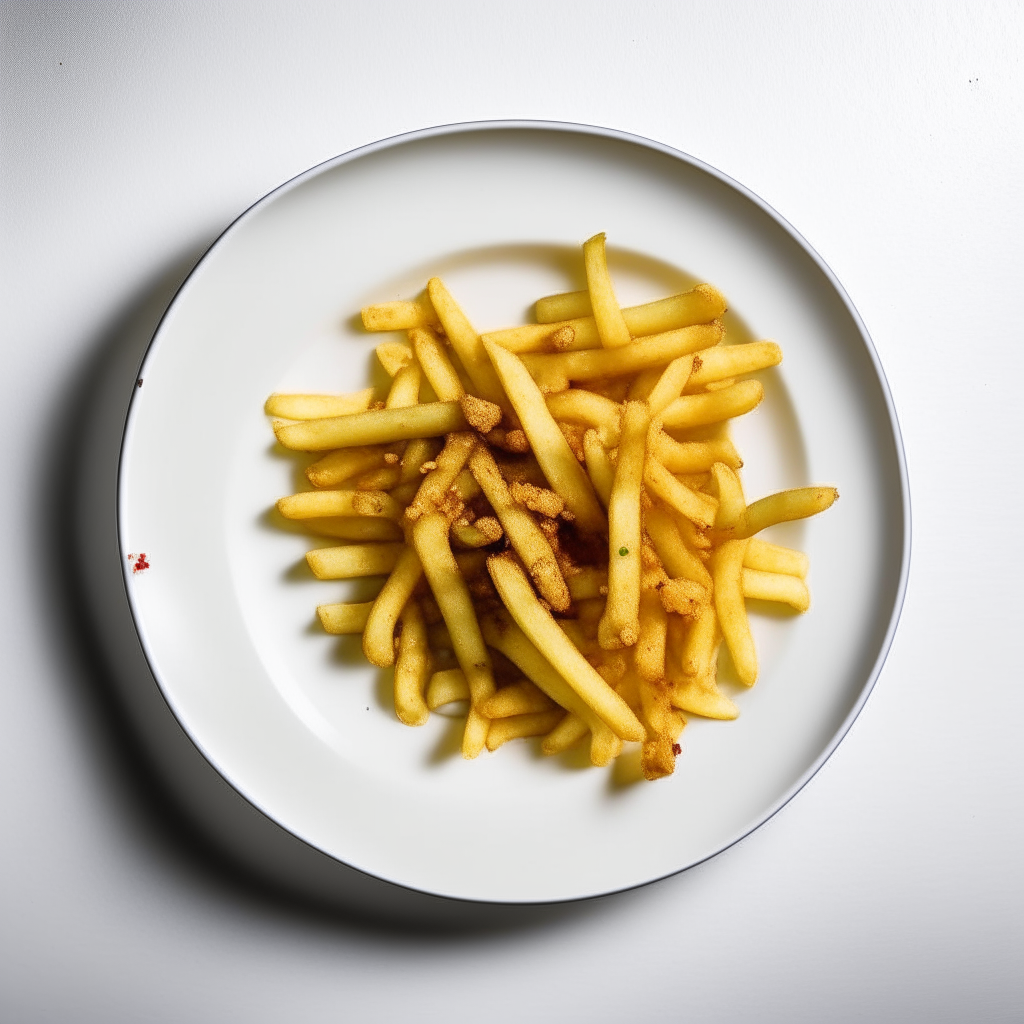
column 224, row 606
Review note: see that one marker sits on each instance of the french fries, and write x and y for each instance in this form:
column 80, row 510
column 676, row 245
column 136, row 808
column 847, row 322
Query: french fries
column 563, row 534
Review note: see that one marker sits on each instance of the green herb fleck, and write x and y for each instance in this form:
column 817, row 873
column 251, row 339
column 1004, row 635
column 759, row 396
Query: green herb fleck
column 623, row 552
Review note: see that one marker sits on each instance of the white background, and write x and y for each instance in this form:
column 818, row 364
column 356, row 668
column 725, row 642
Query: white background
column 892, row 137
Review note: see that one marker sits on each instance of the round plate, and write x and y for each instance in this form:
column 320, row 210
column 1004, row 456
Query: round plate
column 295, row 720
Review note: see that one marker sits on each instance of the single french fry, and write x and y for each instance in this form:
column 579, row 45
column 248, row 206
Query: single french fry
column 579, row 406
column 502, row 730
column 698, row 508
column 599, row 466
column 670, row 384
column 399, row 316
column 340, row 619
column 376, row 426
column 352, row 560
column 446, row 687
column 466, row 343
column 378, row 637
column 536, row 622
column 714, row 406
column 727, row 570
column 430, row 537
column 698, row 642
column 784, row 506
column 699, row 306
column 522, row 698
column 554, row 371
column 700, row 696
column 405, row 387
column 417, row 451
column 523, row 533
column 437, row 367
column 679, row 561
column 693, row 456
column 412, row 667
column 611, row 327
column 732, row 506
column 697, row 693
column 723, row 361
column 567, row 733
column 589, row 583
column 649, row 653
column 314, row 407
column 318, row 504
column 564, row 474
column 620, row 626
column 449, row 463
column 383, row 479
column 774, row 558
column 354, row 528
column 773, row 586
column 337, row 467
column 393, row 355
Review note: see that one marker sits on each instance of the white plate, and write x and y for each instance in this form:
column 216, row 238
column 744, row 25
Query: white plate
column 294, row 719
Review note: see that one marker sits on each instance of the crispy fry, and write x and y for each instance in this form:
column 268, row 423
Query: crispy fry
column 405, row 388
column 579, row 406
column 699, row 306
column 723, row 361
column 543, row 631
column 353, row 560
column 466, row 343
column 599, row 466
column 698, row 642
column 671, row 383
column 684, row 597
column 377, row 426
column 314, row 407
column 523, row 533
column 773, row 586
column 400, row 316
column 317, row 504
column 713, row 407
column 430, row 537
column 412, row 667
column 478, row 534
column 446, row 687
column 553, row 372
column 522, row 726
column 698, row 508
column 522, row 698
column 784, row 506
column 727, row 568
column 378, row 637
column 611, row 327
column 340, row 619
column 337, row 467
column 679, row 561
column 773, row 558
column 437, row 367
column 693, row 456
column 565, row 475
column 731, row 516
column 649, row 653
column 567, row 733
column 620, row 626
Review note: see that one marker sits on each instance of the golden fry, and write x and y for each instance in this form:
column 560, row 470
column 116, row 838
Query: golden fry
column 723, row 361
column 773, row 558
column 713, row 407
column 437, row 367
column 699, row 508
column 727, row 569
column 337, row 467
column 567, row 733
column 314, row 407
column 679, row 561
column 412, row 667
column 354, row 528
column 378, row 637
column 446, row 687
column 784, row 506
column 693, row 456
column 649, row 653
column 405, row 388
column 599, row 466
column 565, row 475
column 536, row 622
column 670, row 383
column 731, row 516
column 620, row 626
column 611, row 327
column 399, row 316
column 393, row 355
column 339, row 619
column 377, row 426
column 317, row 504
column 352, row 560
column 700, row 306
column 773, row 586
column 579, row 406
column 436, row 485
column 522, row 726
column 522, row 698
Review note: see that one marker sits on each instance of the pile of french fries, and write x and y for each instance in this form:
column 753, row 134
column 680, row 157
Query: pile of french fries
column 558, row 513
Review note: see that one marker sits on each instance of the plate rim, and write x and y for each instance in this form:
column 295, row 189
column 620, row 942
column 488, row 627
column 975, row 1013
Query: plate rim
column 568, row 128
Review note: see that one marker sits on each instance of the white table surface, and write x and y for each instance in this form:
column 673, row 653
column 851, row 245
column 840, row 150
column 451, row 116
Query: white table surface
column 892, row 137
